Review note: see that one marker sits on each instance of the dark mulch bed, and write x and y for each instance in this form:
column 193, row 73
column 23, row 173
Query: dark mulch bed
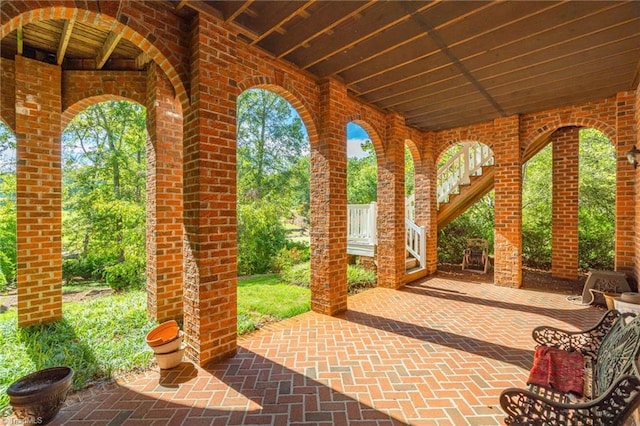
column 532, row 279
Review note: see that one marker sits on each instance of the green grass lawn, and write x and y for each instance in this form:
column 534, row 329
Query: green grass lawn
column 103, row 337
column 265, row 299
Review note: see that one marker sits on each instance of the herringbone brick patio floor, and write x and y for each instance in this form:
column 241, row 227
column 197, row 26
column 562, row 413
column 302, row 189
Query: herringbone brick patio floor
column 434, row 353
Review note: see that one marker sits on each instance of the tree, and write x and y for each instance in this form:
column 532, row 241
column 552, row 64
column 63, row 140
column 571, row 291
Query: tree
column 104, row 191
column 7, row 207
column 271, row 140
column 273, row 176
column 362, row 177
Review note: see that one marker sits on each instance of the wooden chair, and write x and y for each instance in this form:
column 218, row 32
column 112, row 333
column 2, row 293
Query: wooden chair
column 476, row 255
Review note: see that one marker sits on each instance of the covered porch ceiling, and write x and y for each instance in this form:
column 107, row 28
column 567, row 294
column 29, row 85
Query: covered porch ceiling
column 440, row 64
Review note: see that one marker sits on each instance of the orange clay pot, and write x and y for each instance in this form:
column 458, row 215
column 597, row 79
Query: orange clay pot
column 164, row 333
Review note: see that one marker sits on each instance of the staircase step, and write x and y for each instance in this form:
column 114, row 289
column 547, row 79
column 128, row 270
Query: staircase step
column 410, row 263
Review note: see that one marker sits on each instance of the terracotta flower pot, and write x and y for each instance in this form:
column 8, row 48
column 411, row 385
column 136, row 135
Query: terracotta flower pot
column 168, row 347
column 37, row 397
column 162, row 334
column 170, row 360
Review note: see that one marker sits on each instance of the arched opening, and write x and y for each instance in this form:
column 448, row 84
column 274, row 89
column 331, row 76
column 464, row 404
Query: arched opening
column 104, row 195
column 7, row 208
column 592, row 204
column 273, row 178
column 597, row 192
column 536, row 210
column 465, row 200
column 362, row 196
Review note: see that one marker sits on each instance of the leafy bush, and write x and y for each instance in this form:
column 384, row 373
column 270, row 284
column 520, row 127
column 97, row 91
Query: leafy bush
column 87, row 267
column 357, row 276
column 476, row 222
column 261, row 236
column 125, row 276
column 292, row 254
column 299, row 275
column 536, row 246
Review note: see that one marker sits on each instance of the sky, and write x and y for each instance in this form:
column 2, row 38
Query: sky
column 355, row 136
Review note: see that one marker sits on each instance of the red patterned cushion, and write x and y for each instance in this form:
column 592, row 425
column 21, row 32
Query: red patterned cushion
column 558, row 370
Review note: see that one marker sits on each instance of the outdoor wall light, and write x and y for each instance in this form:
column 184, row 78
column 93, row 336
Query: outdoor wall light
column 633, row 156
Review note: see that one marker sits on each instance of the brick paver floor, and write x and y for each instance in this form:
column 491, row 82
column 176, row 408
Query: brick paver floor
column 434, row 353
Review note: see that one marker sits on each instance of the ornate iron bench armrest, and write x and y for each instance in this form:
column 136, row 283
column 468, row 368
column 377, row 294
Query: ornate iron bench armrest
column 524, row 407
column 586, row 341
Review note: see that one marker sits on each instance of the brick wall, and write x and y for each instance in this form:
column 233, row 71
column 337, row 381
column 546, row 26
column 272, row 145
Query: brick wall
column 329, row 203
column 8, row 93
column 125, row 18
column 636, row 265
column 81, row 89
column 426, row 208
column 564, row 225
column 626, row 128
column 508, row 203
column 210, row 297
column 39, row 191
column 164, row 199
column 391, row 227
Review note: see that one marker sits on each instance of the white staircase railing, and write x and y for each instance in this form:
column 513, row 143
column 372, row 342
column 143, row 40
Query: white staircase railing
column 361, row 223
column 416, row 241
column 467, row 162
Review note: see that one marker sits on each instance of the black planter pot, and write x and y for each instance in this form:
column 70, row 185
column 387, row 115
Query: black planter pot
column 37, row 397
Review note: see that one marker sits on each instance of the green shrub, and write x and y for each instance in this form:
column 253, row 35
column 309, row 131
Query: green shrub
column 299, row 274
column 293, row 254
column 357, row 276
column 125, row 276
column 536, row 246
column 261, row 236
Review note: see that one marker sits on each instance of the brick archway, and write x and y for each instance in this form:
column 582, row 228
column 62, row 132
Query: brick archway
column 168, row 57
column 373, row 134
column 538, row 139
column 291, row 94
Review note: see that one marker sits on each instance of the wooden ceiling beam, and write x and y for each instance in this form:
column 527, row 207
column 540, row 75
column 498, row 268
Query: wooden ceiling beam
column 233, row 14
column 202, row 7
column 283, row 20
column 64, row 40
column 20, row 40
column 363, row 30
column 180, row 5
column 107, row 48
column 314, row 32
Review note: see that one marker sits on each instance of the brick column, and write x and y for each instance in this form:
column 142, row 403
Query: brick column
column 210, row 282
column 564, row 223
column 391, row 227
column 38, row 106
column 164, row 198
column 626, row 128
column 508, row 203
column 636, row 243
column 426, row 208
column 329, row 204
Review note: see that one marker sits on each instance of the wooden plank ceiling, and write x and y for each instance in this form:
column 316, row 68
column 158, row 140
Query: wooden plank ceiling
column 441, row 64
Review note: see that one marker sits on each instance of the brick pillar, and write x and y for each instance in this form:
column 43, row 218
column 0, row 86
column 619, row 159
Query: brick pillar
column 329, row 204
column 636, row 264
column 626, row 128
column 426, row 208
column 564, row 223
column 164, row 198
column 210, row 282
column 8, row 93
column 508, row 203
column 38, row 106
column 391, row 227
